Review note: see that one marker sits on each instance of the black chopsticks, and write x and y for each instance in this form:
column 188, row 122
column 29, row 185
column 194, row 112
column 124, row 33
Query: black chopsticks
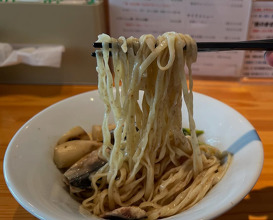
column 266, row 44
column 262, row 45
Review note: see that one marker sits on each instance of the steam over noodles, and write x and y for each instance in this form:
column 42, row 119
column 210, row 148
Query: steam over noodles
column 152, row 164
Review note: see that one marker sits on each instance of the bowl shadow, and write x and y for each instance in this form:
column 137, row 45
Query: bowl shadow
column 258, row 203
column 21, row 213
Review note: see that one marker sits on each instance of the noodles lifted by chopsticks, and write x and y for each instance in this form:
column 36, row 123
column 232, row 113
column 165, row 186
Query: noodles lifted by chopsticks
column 151, row 164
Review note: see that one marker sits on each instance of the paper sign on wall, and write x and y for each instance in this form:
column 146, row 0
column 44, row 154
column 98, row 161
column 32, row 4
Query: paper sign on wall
column 261, row 27
column 204, row 20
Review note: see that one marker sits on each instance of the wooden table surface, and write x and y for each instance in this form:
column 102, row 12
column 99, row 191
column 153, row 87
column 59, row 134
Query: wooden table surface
column 18, row 103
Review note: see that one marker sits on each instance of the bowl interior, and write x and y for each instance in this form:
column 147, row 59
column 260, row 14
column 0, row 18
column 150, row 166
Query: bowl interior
column 36, row 183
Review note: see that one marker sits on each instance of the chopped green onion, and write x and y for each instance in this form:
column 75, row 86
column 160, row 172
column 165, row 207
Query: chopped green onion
column 187, row 131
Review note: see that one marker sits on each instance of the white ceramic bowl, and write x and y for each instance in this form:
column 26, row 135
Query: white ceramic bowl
column 36, row 183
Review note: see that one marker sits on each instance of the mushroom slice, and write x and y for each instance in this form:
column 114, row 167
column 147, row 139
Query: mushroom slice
column 130, row 212
column 97, row 131
column 78, row 174
column 68, row 153
column 76, row 133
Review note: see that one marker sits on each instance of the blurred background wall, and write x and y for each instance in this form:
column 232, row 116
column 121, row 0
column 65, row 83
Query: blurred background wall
column 75, row 24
